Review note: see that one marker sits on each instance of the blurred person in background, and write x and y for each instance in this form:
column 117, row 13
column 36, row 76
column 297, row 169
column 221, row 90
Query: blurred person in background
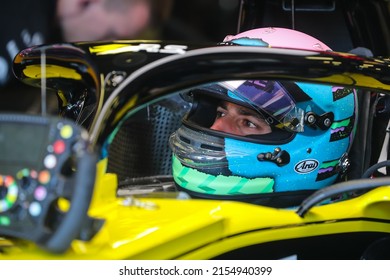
column 26, row 23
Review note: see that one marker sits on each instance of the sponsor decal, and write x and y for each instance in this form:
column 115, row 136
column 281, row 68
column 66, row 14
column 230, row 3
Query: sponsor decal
column 306, row 166
column 107, row 49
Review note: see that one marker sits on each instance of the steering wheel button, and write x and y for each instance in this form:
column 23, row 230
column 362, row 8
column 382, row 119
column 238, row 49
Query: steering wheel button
column 34, row 174
column 9, row 181
column 44, row 177
column 59, row 146
column 50, row 161
column 8, row 193
column 66, row 131
column 35, row 209
column 13, row 192
column 5, row 221
column 22, row 173
column 40, row 193
column 3, row 206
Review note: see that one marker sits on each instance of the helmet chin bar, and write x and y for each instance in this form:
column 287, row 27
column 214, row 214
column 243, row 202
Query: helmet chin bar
column 278, row 156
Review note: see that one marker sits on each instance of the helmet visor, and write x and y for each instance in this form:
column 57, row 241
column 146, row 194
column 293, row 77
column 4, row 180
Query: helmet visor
column 270, row 99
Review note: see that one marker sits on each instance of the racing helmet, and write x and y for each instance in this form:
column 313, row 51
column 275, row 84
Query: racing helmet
column 311, row 131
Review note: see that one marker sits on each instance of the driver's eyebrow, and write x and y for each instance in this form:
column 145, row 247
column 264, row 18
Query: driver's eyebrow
column 223, row 105
column 247, row 112
column 243, row 111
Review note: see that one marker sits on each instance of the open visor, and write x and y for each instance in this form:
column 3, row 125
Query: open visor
column 270, row 99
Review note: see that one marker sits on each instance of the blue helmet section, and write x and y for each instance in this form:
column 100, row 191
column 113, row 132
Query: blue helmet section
column 315, row 154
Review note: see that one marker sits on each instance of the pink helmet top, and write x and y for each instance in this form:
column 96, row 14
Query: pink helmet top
column 276, row 37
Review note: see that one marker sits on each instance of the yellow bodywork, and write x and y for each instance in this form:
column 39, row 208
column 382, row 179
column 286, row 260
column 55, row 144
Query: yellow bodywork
column 170, row 228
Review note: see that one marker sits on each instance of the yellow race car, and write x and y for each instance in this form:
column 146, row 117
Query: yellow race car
column 100, row 182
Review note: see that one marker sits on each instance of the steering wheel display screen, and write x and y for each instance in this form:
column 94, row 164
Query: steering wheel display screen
column 21, row 145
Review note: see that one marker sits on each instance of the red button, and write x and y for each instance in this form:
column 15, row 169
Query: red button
column 59, row 146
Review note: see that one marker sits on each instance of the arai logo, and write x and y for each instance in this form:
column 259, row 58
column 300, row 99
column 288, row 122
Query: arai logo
column 306, row 166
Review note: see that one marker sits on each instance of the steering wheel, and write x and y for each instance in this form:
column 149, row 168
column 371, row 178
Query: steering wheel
column 45, row 163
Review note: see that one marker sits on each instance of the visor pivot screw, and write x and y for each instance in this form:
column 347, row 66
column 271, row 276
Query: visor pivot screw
column 311, row 119
column 322, row 122
column 327, row 122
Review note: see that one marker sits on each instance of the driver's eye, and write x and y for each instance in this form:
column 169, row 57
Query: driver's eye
column 249, row 124
column 220, row 114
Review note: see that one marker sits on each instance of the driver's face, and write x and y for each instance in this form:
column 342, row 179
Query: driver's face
column 239, row 120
